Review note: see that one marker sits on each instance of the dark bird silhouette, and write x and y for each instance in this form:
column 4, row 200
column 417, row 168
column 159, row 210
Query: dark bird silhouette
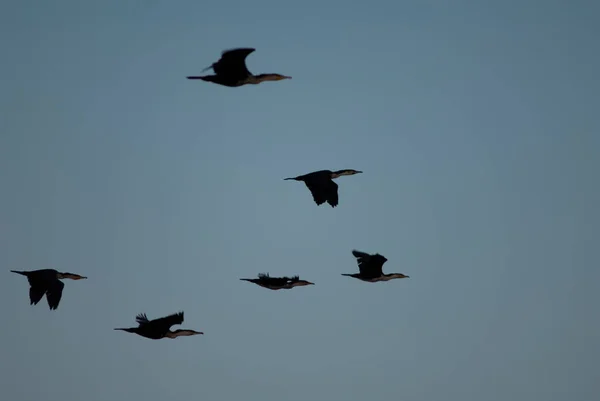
column 231, row 70
column 321, row 185
column 159, row 328
column 277, row 283
column 371, row 268
column 47, row 281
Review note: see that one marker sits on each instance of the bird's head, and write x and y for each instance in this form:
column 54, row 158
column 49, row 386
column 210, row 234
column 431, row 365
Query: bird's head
column 72, row 276
column 340, row 173
column 183, row 332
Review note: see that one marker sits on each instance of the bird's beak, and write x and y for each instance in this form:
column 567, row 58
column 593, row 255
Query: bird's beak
column 198, row 332
column 358, row 172
column 286, row 77
column 311, row 283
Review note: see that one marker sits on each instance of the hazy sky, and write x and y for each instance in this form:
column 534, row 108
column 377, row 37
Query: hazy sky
column 476, row 126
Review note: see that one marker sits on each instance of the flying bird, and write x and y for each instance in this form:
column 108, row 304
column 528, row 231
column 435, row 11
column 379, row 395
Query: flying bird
column 230, row 70
column 47, row 281
column 159, row 328
column 321, row 185
column 277, row 283
column 371, row 268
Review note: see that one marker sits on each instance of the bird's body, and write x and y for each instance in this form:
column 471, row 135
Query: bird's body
column 277, row 283
column 230, row 70
column 321, row 184
column 47, row 281
column 371, row 268
column 159, row 328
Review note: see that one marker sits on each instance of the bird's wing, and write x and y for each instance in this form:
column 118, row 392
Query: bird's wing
column 233, row 63
column 240, row 52
column 331, row 193
column 141, row 319
column 36, row 293
column 168, row 321
column 359, row 254
column 376, row 264
column 54, row 293
column 364, row 263
column 317, row 191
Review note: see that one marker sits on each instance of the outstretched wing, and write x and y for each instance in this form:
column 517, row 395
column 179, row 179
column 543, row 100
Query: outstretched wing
column 168, row 321
column 322, row 187
column 376, row 264
column 141, row 319
column 54, row 293
column 36, row 293
column 317, row 191
column 233, row 63
column 331, row 193
column 368, row 265
column 236, row 53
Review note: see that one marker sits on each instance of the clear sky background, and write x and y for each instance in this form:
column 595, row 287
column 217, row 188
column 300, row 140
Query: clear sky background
column 476, row 126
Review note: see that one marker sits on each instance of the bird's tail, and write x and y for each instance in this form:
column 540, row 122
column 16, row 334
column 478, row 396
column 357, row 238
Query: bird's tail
column 246, row 279
column 19, row 272
column 346, row 274
column 197, row 77
column 289, row 178
column 129, row 330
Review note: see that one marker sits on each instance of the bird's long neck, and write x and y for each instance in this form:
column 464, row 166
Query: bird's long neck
column 177, row 333
column 340, row 173
column 69, row 275
column 256, row 79
column 392, row 276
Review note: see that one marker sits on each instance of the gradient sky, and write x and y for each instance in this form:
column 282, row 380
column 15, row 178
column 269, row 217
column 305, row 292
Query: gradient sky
column 476, row 126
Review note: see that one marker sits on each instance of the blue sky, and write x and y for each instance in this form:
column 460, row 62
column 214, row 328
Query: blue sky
column 475, row 124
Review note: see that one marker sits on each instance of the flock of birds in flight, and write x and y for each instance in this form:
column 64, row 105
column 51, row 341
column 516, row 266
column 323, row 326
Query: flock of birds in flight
column 230, row 70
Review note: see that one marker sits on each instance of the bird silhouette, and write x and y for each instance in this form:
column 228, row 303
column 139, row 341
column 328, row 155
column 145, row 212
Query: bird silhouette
column 321, row 184
column 159, row 328
column 230, row 70
column 371, row 268
column 47, row 281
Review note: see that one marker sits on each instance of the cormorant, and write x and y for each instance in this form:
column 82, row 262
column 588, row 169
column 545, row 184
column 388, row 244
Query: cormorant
column 321, row 185
column 159, row 328
column 47, row 281
column 371, row 268
column 231, row 70
column 277, row 283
